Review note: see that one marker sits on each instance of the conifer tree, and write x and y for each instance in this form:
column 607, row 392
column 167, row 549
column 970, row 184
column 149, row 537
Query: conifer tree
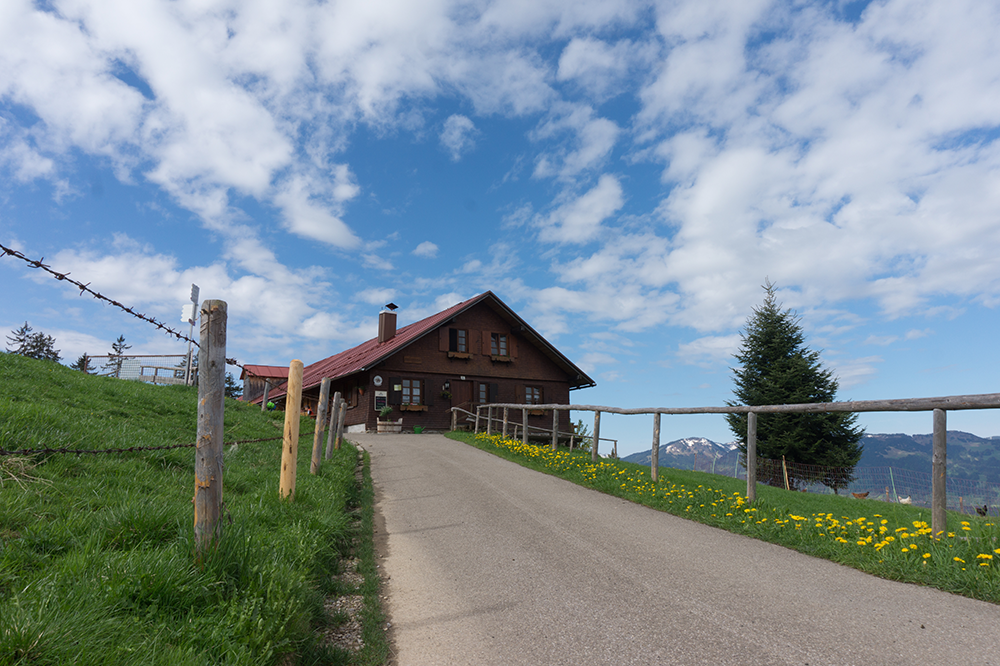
column 776, row 368
column 33, row 344
column 84, row 364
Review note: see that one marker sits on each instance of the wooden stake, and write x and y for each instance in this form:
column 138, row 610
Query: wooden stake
column 555, row 429
column 654, row 456
column 211, row 418
column 939, row 499
column 524, row 422
column 331, row 430
column 784, row 468
column 752, row 457
column 597, row 436
column 341, row 415
column 317, row 452
column 290, row 446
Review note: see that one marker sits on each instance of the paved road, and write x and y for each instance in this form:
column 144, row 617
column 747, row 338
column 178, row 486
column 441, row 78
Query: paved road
column 490, row 563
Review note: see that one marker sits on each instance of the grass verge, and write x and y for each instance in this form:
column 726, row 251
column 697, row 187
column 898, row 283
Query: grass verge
column 887, row 540
column 96, row 552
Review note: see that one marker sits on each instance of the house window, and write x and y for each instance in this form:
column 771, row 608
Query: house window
column 532, row 395
column 484, row 393
column 498, row 344
column 458, row 340
column 412, row 393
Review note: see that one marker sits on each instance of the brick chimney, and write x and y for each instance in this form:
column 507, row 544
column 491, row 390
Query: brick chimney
column 387, row 323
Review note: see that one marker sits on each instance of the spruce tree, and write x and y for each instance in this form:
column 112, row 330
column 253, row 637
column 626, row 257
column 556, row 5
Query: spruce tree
column 84, row 364
column 33, row 345
column 776, row 368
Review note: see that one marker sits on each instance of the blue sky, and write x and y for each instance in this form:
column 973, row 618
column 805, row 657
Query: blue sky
column 623, row 174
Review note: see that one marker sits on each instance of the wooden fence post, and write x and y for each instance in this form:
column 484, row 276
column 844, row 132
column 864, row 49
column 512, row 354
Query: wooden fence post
column 524, row 422
column 341, row 415
column 555, row 429
column 752, row 457
column 489, row 420
column 478, row 412
column 317, row 452
column 290, row 445
column 263, row 401
column 939, row 478
column 597, row 436
column 505, row 410
column 454, row 419
column 654, row 455
column 211, row 416
column 332, row 427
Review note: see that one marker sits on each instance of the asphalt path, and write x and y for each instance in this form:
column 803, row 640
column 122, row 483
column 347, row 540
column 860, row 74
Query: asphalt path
column 490, row 563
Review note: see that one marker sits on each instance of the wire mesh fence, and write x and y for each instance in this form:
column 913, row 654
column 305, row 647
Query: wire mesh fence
column 889, row 484
column 149, row 368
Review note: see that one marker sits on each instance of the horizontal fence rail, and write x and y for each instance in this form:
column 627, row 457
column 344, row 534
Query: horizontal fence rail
column 938, row 406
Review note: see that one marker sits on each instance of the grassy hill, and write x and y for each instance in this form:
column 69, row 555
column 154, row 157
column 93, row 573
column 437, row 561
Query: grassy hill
column 96, row 554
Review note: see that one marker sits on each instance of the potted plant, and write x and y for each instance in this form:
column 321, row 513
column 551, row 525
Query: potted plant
column 384, row 424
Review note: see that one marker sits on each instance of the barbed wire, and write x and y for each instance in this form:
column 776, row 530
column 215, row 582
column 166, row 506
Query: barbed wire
column 37, row 263
column 131, row 449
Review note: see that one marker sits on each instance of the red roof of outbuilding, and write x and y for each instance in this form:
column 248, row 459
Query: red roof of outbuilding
column 265, row 371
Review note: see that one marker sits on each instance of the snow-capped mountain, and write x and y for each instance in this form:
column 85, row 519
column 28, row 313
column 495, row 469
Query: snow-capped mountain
column 686, row 448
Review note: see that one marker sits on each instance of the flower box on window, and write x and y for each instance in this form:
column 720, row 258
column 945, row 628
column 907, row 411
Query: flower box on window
column 413, row 408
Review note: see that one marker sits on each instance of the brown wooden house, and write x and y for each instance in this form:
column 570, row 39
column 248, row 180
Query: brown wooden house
column 476, row 352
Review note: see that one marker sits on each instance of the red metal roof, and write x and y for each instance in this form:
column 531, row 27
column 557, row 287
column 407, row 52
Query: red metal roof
column 371, row 352
column 265, row 371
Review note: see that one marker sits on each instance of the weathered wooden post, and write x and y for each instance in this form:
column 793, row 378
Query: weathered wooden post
column 290, row 445
column 654, row 456
column 505, row 411
column 524, row 422
column 489, row 420
column 478, row 412
column 332, row 427
column 939, row 475
column 555, row 429
column 317, row 452
column 211, row 417
column 341, row 415
column 263, row 401
column 454, row 419
column 597, row 436
column 752, row 457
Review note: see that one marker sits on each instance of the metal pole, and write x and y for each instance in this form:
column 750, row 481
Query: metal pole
column 939, row 499
column 211, row 428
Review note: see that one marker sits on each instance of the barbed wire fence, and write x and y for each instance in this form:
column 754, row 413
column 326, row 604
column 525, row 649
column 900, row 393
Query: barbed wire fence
column 85, row 288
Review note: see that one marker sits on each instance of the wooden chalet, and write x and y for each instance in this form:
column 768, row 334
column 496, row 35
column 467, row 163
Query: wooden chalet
column 476, row 352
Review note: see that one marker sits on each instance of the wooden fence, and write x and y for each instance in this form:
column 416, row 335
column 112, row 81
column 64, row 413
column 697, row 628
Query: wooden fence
column 938, row 406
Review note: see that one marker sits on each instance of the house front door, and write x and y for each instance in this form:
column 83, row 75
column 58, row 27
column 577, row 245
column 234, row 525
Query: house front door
column 461, row 396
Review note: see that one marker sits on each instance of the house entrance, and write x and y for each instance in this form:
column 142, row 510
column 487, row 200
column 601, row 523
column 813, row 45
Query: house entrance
column 461, row 394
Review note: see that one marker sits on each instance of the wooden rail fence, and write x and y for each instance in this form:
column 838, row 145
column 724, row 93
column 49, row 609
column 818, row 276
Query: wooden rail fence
column 938, row 406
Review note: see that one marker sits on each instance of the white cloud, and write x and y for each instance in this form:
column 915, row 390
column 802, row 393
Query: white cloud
column 458, row 135
column 711, row 349
column 579, row 220
column 426, row 249
column 594, row 138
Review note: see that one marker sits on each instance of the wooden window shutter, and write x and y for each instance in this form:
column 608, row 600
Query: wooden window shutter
column 494, row 393
column 487, row 341
column 512, row 345
column 395, row 396
column 474, row 344
column 443, row 339
column 428, row 392
column 452, row 339
column 519, row 393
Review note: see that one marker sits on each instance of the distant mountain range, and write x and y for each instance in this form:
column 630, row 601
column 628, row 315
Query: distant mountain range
column 969, row 456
